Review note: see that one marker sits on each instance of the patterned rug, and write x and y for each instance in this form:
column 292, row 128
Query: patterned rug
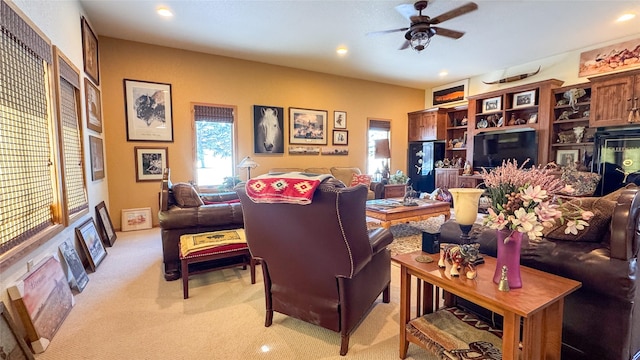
column 408, row 237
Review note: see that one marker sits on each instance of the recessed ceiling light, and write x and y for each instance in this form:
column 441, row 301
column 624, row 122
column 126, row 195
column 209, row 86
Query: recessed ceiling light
column 163, row 11
column 342, row 50
column 625, row 17
column 444, row 73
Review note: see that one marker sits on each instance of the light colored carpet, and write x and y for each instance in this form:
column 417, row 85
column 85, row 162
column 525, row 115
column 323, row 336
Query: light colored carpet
column 128, row 311
column 408, row 237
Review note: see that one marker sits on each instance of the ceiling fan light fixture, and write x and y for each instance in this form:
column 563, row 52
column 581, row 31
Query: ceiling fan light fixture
column 420, row 40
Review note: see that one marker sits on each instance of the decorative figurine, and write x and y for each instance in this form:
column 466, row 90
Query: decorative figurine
column 579, row 133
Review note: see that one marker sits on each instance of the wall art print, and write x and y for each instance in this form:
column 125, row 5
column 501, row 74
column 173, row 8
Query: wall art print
column 307, row 126
column 148, row 111
column 450, row 93
column 268, row 129
column 150, row 163
column 90, row 52
column 620, row 56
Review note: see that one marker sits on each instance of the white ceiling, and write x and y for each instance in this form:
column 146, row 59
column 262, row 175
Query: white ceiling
column 305, row 34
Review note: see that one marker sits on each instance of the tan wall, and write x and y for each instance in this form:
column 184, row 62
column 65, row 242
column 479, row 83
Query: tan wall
column 198, row 77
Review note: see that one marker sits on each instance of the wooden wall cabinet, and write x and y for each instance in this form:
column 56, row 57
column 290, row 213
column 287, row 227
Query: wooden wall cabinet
column 615, row 99
column 427, row 125
column 508, row 114
column 447, row 178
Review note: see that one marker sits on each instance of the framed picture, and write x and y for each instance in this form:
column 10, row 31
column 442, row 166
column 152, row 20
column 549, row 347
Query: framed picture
column 90, row 52
column 106, row 226
column 80, row 278
column 493, row 104
column 93, row 105
column 150, row 162
column 567, row 157
column 148, row 111
column 607, row 59
column 304, row 150
column 11, row 343
column 339, row 119
column 450, row 93
column 524, row 99
column 91, row 243
column 268, row 129
column 136, row 219
column 340, row 137
column 97, row 158
column 334, row 150
column 307, row 126
column 41, row 302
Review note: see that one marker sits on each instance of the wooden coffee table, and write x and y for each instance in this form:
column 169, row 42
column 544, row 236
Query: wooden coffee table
column 392, row 212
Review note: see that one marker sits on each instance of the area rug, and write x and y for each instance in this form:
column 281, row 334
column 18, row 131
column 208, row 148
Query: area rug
column 408, row 237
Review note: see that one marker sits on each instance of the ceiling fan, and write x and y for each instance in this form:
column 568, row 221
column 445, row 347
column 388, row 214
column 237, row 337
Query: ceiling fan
column 419, row 33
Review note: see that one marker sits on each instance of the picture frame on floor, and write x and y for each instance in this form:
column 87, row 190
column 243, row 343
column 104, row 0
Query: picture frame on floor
column 136, row 219
column 70, row 255
column 43, row 300
column 91, row 242
column 12, row 345
column 106, row 226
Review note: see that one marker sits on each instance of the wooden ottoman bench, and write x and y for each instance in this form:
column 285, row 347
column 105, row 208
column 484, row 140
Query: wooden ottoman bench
column 229, row 247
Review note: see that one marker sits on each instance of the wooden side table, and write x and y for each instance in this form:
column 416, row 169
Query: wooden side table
column 538, row 304
column 394, row 191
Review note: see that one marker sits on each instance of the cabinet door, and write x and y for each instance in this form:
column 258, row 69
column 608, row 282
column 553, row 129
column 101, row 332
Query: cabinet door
column 611, row 101
column 415, row 125
column 430, row 126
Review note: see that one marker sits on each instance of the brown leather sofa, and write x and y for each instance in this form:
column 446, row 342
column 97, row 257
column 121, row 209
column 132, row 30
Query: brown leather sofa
column 223, row 212
column 319, row 262
column 602, row 318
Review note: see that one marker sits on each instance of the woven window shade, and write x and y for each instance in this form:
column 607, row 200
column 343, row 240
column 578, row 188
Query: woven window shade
column 76, row 194
column 26, row 175
column 379, row 125
column 213, row 113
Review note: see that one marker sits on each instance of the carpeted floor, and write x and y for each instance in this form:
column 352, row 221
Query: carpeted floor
column 408, row 237
column 128, row 311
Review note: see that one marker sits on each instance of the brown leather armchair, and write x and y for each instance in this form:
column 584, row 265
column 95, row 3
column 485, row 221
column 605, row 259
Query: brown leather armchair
column 319, row 262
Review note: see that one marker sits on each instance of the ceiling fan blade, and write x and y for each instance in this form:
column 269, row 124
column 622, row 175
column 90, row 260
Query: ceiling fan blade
column 406, row 10
column 382, row 32
column 404, row 45
column 454, row 13
column 448, row 33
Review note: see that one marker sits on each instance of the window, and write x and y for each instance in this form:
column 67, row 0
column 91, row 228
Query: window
column 29, row 195
column 215, row 144
column 378, row 129
column 75, row 194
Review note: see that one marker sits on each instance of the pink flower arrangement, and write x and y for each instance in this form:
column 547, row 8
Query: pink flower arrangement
column 525, row 200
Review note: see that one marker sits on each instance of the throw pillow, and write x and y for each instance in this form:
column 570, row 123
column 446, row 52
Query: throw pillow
column 361, row 179
column 186, row 195
column 598, row 225
column 584, row 183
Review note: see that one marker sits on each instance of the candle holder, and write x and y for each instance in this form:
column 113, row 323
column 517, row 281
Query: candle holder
column 465, row 208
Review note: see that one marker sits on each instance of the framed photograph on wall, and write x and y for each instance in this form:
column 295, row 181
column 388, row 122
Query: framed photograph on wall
column 106, row 226
column 136, row 219
column 91, row 242
column 492, row 104
column 340, row 137
column 307, row 126
column 268, row 129
column 524, row 99
column 148, row 111
column 339, row 119
column 97, row 158
column 94, row 106
column 70, row 255
column 10, row 342
column 90, row 52
column 41, row 303
column 450, row 93
column 150, row 162
column 567, row 157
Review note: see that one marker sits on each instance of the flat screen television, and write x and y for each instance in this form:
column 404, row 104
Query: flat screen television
column 491, row 148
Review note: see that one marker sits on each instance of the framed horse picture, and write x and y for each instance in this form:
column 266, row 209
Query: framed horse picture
column 268, row 125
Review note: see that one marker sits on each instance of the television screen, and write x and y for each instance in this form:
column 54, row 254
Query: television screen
column 491, row 148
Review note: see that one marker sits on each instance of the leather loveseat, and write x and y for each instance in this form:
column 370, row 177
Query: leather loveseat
column 222, row 211
column 601, row 320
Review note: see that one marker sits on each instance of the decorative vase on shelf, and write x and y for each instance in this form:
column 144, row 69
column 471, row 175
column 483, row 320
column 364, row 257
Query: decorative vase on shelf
column 509, row 255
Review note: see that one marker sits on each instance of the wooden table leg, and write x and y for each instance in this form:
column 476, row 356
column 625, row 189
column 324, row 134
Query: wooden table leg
column 419, row 302
column 542, row 333
column 405, row 304
column 427, row 304
column 511, row 336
